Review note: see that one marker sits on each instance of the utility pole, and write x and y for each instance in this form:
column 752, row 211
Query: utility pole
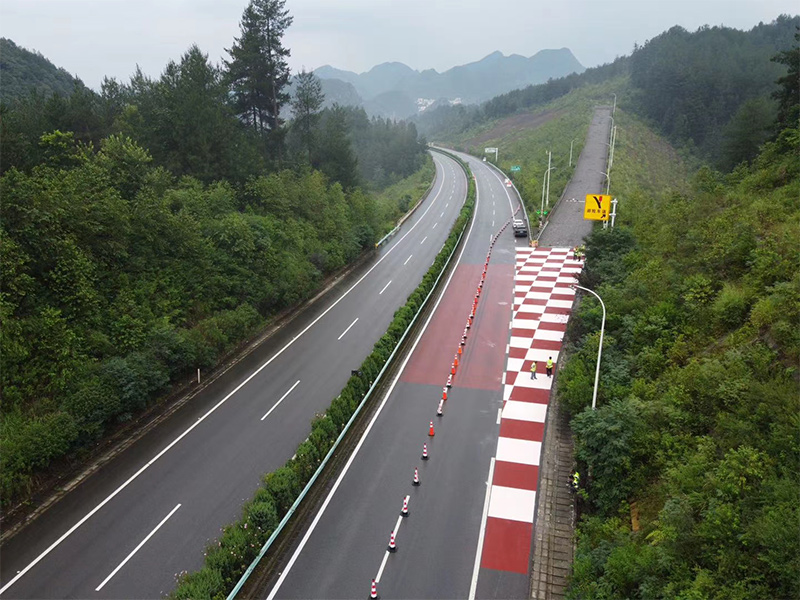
column 570, row 152
column 614, row 110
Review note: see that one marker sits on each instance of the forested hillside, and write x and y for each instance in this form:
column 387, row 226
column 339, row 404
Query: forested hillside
column 23, row 72
column 709, row 91
column 691, row 463
column 149, row 229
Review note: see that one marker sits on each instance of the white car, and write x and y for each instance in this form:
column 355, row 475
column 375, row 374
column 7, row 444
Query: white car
column 508, row 182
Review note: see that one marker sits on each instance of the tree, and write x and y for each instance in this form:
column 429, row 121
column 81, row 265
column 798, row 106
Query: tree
column 788, row 95
column 258, row 71
column 308, row 99
column 335, row 156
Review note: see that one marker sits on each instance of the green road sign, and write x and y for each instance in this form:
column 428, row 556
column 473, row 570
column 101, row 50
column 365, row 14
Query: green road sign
column 515, row 168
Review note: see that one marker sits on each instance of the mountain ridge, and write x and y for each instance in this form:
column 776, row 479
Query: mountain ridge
column 473, row 82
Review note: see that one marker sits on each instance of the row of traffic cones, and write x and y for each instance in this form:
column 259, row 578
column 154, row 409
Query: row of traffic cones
column 392, row 547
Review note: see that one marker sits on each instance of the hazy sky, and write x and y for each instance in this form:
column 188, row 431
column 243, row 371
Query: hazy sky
column 93, row 38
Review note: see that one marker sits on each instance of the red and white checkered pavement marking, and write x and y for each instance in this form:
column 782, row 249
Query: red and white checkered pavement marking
column 542, row 305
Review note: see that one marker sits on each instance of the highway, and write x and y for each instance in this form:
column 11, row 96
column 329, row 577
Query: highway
column 145, row 516
column 437, row 544
column 345, row 548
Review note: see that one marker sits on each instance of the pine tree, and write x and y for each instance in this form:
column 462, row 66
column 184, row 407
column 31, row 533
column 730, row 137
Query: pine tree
column 307, row 101
column 788, row 95
column 258, row 72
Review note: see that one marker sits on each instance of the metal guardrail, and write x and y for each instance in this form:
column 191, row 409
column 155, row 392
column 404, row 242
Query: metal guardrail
column 378, row 380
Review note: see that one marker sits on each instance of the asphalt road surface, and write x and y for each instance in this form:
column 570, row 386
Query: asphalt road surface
column 567, row 226
column 146, row 515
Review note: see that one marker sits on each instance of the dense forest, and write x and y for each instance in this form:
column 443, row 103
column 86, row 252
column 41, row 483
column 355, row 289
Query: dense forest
column 708, row 90
column 150, row 228
column 691, row 461
column 22, row 71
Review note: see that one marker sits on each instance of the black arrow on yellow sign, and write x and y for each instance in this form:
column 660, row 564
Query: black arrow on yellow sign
column 599, row 200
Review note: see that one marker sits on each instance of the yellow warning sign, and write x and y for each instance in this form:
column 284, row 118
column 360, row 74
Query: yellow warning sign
column 597, row 207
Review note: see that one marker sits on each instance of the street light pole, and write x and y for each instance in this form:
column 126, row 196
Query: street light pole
column 549, row 159
column 600, row 348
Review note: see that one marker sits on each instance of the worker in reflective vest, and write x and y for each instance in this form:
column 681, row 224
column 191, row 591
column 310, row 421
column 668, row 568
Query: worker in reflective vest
column 550, row 367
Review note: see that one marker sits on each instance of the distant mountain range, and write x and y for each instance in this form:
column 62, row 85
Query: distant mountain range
column 394, row 89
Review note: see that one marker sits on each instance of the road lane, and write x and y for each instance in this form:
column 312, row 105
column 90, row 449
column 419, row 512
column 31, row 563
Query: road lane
column 218, row 464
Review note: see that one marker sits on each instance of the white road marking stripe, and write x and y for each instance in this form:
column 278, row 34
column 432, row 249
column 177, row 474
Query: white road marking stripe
column 476, row 569
column 377, row 414
column 127, row 482
column 135, row 550
column 408, row 259
column 274, row 406
column 441, row 215
column 499, row 415
column 384, row 288
column 386, row 555
column 435, row 224
column 348, row 329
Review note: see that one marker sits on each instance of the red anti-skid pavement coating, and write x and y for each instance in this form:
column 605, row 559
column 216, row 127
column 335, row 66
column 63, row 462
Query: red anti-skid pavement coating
column 507, row 545
column 557, row 310
column 517, row 353
column 546, row 345
column 484, row 360
column 522, row 394
column 567, row 297
column 515, row 475
column 553, row 326
column 430, row 362
column 521, row 430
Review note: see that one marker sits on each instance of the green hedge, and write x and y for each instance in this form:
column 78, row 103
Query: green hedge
column 228, row 557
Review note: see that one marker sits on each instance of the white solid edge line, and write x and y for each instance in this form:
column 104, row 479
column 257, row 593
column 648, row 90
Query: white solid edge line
column 135, row 550
column 348, row 329
column 384, row 288
column 473, row 588
column 274, row 406
column 91, row 513
column 386, row 555
column 408, row 259
column 499, row 415
column 350, row 460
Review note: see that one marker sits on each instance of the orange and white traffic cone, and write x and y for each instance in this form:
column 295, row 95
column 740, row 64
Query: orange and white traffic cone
column 392, row 544
column 404, row 510
column 424, row 451
column 455, row 361
column 449, row 382
column 453, row 369
column 416, row 477
column 444, row 394
column 373, row 590
column 431, row 431
column 440, row 410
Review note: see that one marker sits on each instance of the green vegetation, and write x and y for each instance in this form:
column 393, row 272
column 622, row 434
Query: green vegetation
column 227, row 558
column 693, row 454
column 710, row 91
column 23, row 72
column 149, row 230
